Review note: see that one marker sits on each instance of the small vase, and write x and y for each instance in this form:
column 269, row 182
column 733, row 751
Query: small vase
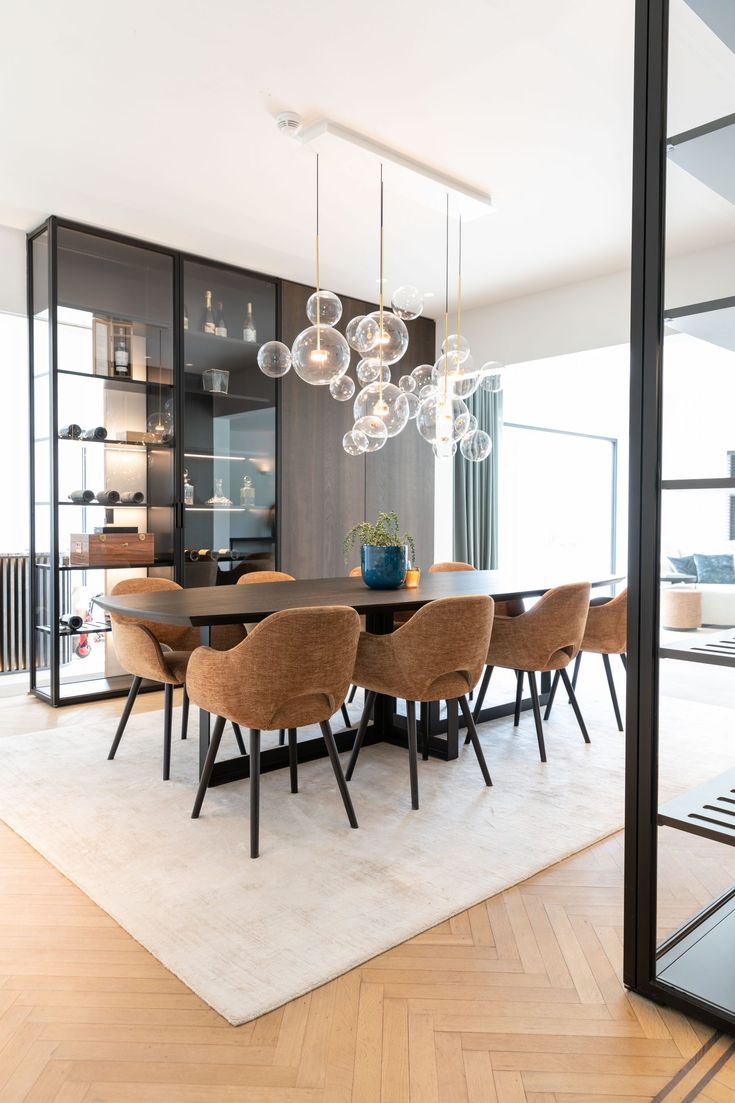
column 383, row 568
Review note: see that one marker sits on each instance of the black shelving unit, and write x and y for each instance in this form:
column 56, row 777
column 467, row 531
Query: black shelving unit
column 692, row 968
column 89, row 292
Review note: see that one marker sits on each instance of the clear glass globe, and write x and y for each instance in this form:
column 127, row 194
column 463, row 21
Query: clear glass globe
column 320, row 354
column 442, row 419
column 457, row 344
column 423, row 374
column 368, row 370
column 426, row 391
column 413, row 404
column 476, row 446
column 374, row 430
column 463, row 378
column 343, row 388
column 351, row 330
column 392, row 342
column 407, row 384
column 471, row 424
column 355, row 442
column 324, row 308
column 161, row 424
column 366, row 335
column 407, row 302
column 274, row 359
column 444, row 450
column 490, row 377
column 386, row 402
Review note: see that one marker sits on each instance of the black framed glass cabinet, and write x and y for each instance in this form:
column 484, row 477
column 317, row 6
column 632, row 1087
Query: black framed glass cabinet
column 680, row 775
column 153, row 437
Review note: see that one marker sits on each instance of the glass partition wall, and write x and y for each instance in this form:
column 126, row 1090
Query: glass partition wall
column 153, row 437
column 680, row 815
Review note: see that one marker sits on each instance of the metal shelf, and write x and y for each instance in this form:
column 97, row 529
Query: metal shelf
column 708, row 810
column 86, row 629
column 115, row 380
column 104, row 566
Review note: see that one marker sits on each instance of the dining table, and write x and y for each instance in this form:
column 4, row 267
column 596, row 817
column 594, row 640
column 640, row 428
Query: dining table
column 205, row 607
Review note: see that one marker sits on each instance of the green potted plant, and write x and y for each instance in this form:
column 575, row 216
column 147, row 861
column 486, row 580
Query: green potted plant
column 384, row 553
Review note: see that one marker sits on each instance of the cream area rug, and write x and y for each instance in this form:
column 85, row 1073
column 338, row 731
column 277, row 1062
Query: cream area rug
column 322, row 898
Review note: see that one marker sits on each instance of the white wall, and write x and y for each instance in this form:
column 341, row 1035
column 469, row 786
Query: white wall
column 12, row 270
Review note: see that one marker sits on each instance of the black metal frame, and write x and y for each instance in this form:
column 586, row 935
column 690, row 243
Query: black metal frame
column 641, row 955
column 52, row 225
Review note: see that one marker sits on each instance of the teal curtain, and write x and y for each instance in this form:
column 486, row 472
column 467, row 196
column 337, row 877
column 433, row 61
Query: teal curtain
column 476, row 489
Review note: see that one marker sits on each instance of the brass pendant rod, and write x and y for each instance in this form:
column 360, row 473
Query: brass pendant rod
column 446, row 303
column 318, row 304
column 382, row 284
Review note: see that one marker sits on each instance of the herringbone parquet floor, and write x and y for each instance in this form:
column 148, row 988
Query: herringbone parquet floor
column 517, row 1000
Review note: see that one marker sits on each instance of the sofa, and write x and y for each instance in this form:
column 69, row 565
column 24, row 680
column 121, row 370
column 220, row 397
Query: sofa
column 715, row 575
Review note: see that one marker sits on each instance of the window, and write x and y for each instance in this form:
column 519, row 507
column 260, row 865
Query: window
column 14, row 489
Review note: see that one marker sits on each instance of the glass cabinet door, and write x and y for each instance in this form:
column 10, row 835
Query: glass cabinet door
column 229, row 443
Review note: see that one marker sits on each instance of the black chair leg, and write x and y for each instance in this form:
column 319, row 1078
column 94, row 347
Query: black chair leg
column 577, row 663
column 133, row 693
column 281, row 737
column 367, row 709
column 472, row 731
column 481, row 695
column 413, row 756
column 573, row 702
column 351, row 698
column 337, row 767
column 552, row 695
column 613, row 694
column 346, row 716
column 168, row 709
column 519, row 698
column 184, row 714
column 219, row 727
column 424, row 725
column 624, row 661
column 293, row 765
column 239, row 738
column 254, row 792
column 537, row 715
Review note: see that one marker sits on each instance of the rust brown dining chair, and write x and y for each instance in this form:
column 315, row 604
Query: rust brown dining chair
column 512, row 607
column 436, row 656
column 159, row 653
column 293, row 669
column 545, row 639
column 606, row 634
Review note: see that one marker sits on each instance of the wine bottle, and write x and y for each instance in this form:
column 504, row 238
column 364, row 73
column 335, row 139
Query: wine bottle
column 186, row 316
column 191, row 555
column 133, row 496
column 188, row 490
column 248, row 332
column 71, row 621
column 98, row 433
column 107, row 497
column 81, row 497
column 219, row 322
column 203, row 553
column 208, row 321
column 70, row 432
column 121, row 355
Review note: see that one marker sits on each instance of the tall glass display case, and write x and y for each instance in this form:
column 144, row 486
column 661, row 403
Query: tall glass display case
column 228, row 477
column 680, row 800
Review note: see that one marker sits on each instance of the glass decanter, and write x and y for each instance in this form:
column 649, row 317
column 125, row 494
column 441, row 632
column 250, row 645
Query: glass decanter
column 218, row 499
column 247, row 493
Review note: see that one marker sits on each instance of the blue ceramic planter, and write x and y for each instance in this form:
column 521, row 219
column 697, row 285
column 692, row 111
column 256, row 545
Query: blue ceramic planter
column 383, row 568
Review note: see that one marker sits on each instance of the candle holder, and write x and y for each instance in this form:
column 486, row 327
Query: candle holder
column 413, row 574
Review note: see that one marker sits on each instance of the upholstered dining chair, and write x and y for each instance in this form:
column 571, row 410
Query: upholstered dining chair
column 547, row 638
column 606, row 634
column 437, row 655
column 160, row 653
column 293, row 669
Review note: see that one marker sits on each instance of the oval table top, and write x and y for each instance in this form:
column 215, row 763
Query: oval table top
column 209, row 605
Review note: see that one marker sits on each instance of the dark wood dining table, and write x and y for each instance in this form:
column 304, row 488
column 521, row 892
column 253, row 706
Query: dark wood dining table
column 207, row 606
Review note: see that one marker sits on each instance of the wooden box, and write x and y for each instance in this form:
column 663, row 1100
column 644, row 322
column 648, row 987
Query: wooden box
column 108, row 549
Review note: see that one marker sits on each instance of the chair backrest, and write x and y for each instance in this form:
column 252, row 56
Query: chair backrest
column 265, row 576
column 555, row 625
column 294, row 668
column 456, row 565
column 442, row 649
column 177, row 637
column 607, row 626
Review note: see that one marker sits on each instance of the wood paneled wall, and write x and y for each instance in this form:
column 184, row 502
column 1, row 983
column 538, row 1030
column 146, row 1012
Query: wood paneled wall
column 323, row 490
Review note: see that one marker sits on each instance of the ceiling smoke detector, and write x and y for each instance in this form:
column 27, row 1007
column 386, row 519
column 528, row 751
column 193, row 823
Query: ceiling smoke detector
column 289, row 123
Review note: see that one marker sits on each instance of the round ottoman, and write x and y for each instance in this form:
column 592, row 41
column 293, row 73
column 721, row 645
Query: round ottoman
column 680, row 609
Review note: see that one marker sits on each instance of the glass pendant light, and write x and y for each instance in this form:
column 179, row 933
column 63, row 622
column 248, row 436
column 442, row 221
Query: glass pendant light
column 407, row 302
column 320, row 354
column 274, row 359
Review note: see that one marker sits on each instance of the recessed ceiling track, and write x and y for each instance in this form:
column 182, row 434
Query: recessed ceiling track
column 426, row 184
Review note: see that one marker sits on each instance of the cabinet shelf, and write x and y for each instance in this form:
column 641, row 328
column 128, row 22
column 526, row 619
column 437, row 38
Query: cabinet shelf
column 114, row 315
column 708, row 153
column 707, row 810
column 165, row 562
column 108, row 443
column 87, row 628
column 719, row 18
column 195, row 336
column 117, row 505
column 115, row 380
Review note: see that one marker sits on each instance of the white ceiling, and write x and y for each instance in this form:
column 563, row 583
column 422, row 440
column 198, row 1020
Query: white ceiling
column 156, row 119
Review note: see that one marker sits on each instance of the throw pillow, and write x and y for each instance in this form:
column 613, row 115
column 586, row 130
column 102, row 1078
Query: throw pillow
column 715, row 568
column 683, row 564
